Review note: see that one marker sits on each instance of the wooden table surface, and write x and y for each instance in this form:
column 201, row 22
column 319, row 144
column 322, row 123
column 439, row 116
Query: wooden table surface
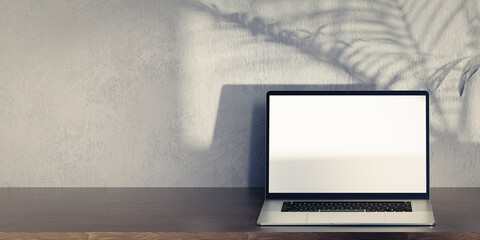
column 94, row 213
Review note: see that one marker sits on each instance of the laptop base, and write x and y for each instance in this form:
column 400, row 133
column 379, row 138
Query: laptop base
column 272, row 215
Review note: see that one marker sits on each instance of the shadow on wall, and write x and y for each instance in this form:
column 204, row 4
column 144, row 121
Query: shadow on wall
column 392, row 44
column 238, row 148
column 240, row 125
column 380, row 44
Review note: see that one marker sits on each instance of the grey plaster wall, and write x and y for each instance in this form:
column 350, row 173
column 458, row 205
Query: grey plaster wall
column 171, row 93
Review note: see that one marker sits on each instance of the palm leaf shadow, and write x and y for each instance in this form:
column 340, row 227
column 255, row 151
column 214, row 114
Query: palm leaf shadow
column 467, row 73
column 349, row 53
column 382, row 47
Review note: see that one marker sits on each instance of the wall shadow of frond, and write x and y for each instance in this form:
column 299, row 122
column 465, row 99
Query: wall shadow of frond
column 383, row 43
column 373, row 44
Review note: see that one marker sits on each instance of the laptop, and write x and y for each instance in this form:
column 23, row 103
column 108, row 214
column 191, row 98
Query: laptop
column 347, row 158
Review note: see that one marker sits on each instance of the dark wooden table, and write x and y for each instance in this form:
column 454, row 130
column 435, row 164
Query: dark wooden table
column 151, row 213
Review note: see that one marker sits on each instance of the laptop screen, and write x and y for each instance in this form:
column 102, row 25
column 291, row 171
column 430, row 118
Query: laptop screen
column 347, row 142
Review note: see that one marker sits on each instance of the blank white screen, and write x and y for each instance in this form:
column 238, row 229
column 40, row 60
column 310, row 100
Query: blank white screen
column 347, row 144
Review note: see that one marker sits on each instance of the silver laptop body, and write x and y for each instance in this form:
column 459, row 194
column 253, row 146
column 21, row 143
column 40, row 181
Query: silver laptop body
column 331, row 156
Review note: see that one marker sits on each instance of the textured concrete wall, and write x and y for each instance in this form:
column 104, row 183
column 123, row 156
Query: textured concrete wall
column 170, row 93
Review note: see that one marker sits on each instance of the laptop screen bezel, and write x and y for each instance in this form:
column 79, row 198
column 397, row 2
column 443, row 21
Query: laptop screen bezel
column 341, row 196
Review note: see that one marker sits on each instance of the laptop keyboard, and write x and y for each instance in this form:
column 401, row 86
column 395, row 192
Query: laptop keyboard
column 346, row 206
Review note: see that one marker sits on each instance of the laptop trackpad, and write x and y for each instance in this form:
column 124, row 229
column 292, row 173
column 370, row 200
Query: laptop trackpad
column 346, row 217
